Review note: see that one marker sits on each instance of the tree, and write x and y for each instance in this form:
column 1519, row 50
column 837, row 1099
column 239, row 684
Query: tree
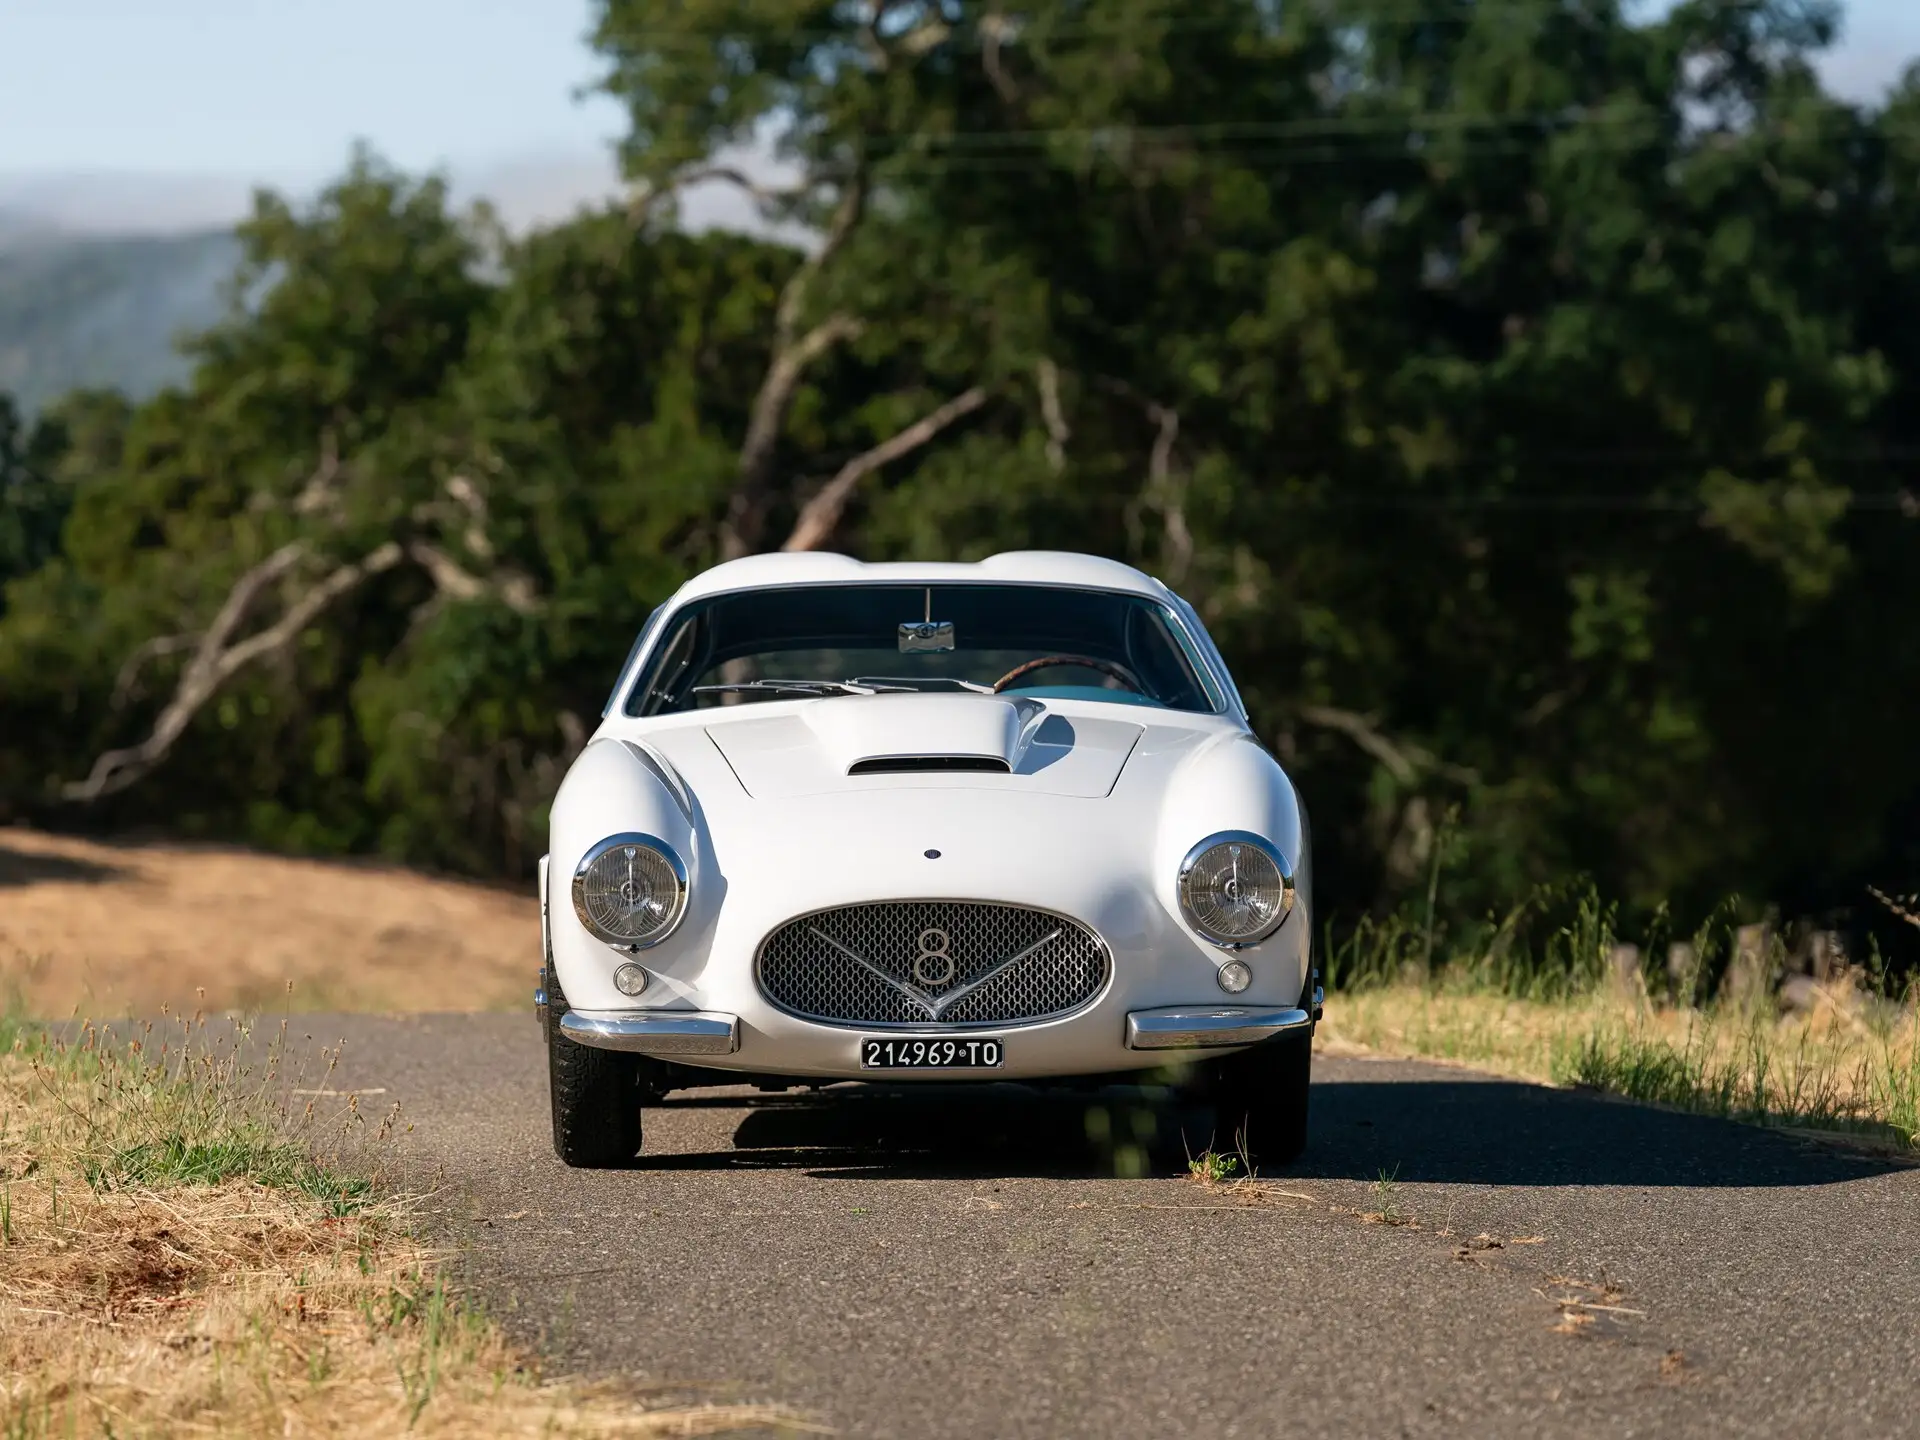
column 304, row 452
column 33, row 503
column 1520, row 391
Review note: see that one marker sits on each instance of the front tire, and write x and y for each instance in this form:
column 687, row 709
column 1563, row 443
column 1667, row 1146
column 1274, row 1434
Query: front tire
column 1260, row 1100
column 596, row 1096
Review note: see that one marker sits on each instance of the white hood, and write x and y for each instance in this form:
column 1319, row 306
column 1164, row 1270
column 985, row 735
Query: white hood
column 889, row 741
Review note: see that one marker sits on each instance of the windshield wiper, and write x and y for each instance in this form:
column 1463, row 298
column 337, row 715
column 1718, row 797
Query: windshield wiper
column 907, row 682
column 792, row 687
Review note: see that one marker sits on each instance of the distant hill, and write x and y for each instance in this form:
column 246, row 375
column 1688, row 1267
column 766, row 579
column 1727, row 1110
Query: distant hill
column 103, row 310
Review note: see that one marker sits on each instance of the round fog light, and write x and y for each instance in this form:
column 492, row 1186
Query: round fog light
column 1234, row 977
column 630, row 979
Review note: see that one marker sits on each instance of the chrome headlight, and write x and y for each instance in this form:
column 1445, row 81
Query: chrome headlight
column 630, row 890
column 1235, row 889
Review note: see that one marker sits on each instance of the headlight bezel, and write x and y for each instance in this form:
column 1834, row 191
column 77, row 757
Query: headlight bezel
column 619, row 841
column 1234, row 837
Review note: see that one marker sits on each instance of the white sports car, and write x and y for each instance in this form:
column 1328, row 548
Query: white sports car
column 1001, row 821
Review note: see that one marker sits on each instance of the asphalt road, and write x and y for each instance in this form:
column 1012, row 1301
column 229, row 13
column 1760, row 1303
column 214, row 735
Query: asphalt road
column 965, row 1263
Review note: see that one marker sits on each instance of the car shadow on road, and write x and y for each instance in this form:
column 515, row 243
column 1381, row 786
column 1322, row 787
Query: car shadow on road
column 1468, row 1131
column 933, row 1132
column 1497, row 1132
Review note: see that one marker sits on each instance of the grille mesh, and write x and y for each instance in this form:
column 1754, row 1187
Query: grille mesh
column 806, row 969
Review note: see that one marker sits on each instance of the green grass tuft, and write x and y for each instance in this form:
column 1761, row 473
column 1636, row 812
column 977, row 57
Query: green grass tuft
column 1754, row 1073
column 239, row 1154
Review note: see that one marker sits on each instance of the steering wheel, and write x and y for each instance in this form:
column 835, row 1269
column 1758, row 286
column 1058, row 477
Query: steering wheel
column 1106, row 667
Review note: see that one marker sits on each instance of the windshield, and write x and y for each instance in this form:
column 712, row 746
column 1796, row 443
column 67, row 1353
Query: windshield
column 1037, row 640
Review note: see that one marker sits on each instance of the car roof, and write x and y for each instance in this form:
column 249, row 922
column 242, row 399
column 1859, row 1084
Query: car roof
column 1014, row 567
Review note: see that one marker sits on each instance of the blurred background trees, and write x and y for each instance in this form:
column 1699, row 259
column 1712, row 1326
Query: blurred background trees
column 1523, row 392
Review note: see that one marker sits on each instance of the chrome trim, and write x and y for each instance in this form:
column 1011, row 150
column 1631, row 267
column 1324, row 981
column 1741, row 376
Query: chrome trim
column 630, row 837
column 931, row 1025
column 1187, row 1027
column 935, row 1005
column 641, row 642
column 1204, row 657
column 656, row 1032
column 1241, row 837
column 540, row 1005
column 1220, row 977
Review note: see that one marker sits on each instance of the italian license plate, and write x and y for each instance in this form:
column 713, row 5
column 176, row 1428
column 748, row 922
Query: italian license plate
column 911, row 1054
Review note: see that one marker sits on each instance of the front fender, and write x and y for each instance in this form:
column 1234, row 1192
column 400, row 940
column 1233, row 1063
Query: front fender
column 1233, row 783
column 616, row 786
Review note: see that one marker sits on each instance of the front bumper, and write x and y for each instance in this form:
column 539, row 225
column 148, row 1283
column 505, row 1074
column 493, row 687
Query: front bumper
column 1189, row 1027
column 657, row 1032
column 686, row 1033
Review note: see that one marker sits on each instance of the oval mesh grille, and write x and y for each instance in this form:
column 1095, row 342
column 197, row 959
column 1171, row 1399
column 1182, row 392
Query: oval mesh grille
column 924, row 962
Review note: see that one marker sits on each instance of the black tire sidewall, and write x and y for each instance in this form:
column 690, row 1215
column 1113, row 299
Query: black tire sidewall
column 595, row 1095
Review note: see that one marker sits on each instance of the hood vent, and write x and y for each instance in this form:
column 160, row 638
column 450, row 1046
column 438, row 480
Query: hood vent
column 930, row 765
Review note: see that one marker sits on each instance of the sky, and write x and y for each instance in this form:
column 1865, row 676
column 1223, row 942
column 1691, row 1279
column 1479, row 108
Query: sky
column 172, row 110
column 162, row 114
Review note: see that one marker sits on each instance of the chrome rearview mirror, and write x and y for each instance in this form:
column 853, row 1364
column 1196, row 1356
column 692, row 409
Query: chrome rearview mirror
column 920, row 636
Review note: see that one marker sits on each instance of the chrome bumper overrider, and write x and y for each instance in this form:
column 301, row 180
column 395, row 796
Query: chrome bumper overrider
column 1187, row 1027
column 659, row 1032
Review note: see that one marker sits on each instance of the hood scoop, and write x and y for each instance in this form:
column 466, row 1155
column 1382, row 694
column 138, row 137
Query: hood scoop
column 892, row 734
column 930, row 765
column 937, row 741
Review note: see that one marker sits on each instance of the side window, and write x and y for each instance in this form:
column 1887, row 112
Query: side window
column 1156, row 654
column 1198, row 629
column 626, row 665
column 668, row 671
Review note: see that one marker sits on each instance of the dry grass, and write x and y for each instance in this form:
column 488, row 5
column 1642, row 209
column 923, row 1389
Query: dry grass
column 174, row 1261
column 1852, row 1064
column 124, row 929
column 1469, row 1026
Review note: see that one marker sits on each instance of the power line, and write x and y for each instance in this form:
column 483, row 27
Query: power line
column 1268, row 157
column 1250, row 22
column 1457, row 129
column 1900, row 502
column 1562, row 121
column 1559, row 121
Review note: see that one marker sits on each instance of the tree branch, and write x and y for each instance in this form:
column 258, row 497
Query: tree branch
column 746, row 519
column 515, row 591
column 876, row 46
column 1048, row 375
column 793, row 297
column 993, row 29
column 744, row 525
column 763, row 195
column 815, row 524
column 467, row 496
column 146, row 650
column 1404, row 760
column 322, row 487
column 1163, row 491
column 215, row 660
column 1166, row 493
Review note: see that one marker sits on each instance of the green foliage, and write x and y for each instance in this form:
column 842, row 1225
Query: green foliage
column 1552, row 945
column 246, row 1151
column 33, row 502
column 1520, row 392
column 1747, row 1071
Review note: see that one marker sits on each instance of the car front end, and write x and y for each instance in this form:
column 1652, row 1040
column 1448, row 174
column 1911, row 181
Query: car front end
column 1021, row 931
